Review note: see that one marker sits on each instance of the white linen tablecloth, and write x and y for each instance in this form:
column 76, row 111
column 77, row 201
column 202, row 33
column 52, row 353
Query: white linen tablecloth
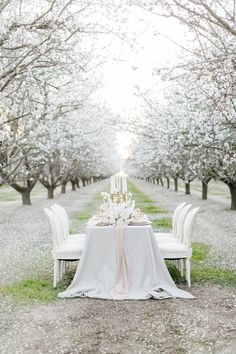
column 96, row 273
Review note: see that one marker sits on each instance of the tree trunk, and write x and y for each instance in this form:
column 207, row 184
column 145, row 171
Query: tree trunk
column 161, row 180
column 83, row 182
column 158, row 181
column 63, row 188
column 77, row 183
column 232, row 188
column 25, row 191
column 73, row 185
column 26, row 200
column 204, row 190
column 176, row 184
column 187, row 188
column 50, row 192
column 50, row 187
column 168, row 182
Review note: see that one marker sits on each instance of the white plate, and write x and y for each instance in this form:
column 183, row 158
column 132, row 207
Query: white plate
column 140, row 223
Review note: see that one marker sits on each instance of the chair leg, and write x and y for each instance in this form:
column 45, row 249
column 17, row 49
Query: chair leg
column 61, row 270
column 188, row 272
column 55, row 275
column 178, row 261
column 181, row 267
column 58, row 270
column 64, row 267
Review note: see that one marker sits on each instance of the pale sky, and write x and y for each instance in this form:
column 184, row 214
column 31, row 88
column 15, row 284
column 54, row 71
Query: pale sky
column 135, row 67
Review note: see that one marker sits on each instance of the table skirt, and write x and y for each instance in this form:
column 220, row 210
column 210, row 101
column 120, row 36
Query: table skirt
column 96, row 273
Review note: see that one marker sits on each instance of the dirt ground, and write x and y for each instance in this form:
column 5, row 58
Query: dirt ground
column 204, row 325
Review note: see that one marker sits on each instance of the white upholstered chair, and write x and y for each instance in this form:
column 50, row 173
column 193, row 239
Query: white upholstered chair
column 64, row 219
column 62, row 251
column 177, row 225
column 182, row 251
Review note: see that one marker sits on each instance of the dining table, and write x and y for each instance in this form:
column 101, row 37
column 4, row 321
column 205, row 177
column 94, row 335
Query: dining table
column 122, row 263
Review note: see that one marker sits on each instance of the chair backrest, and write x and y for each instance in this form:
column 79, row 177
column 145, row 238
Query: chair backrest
column 176, row 216
column 188, row 226
column 59, row 227
column 60, row 211
column 56, row 239
column 180, row 225
column 59, row 207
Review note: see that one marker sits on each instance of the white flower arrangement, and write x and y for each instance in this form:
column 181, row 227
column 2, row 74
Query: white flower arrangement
column 117, row 209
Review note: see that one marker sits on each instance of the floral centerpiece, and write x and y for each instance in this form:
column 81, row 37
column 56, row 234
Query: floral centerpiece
column 117, row 209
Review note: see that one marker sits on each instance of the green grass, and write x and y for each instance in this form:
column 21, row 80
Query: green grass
column 37, row 289
column 218, row 193
column 28, row 290
column 143, row 202
column 174, row 272
column 164, row 223
column 79, row 219
column 181, row 351
column 139, row 196
column 202, row 271
column 215, row 188
column 213, row 274
column 153, row 209
column 142, row 198
column 209, row 274
column 9, row 197
column 82, row 215
column 210, row 192
column 12, row 195
column 200, row 251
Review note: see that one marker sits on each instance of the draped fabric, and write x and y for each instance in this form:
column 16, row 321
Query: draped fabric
column 123, row 277
column 122, row 263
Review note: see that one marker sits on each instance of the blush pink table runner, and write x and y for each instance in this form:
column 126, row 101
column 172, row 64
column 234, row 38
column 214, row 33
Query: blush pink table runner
column 123, row 276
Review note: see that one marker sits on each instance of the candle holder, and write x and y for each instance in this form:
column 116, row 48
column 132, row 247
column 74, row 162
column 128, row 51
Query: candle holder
column 118, row 197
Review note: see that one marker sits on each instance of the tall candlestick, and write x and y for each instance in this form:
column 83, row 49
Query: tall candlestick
column 112, row 184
